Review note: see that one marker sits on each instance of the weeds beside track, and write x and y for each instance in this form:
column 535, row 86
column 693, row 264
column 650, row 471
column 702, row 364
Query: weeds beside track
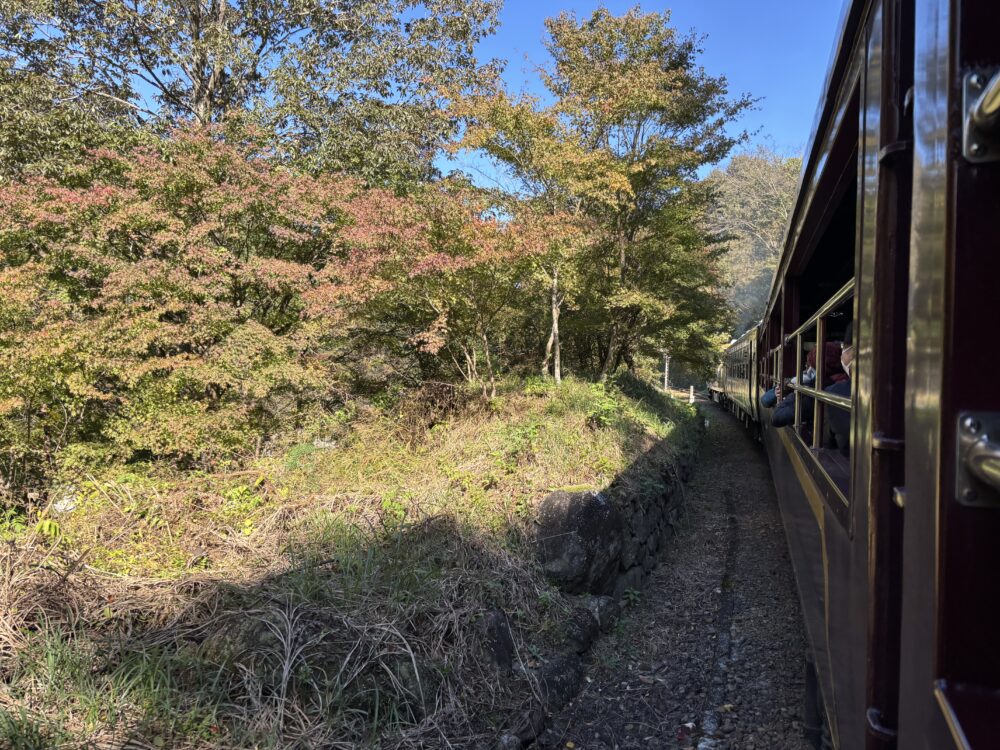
column 326, row 594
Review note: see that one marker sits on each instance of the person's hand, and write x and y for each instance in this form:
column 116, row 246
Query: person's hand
column 777, row 391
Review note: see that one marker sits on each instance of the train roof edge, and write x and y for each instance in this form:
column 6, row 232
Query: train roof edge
column 851, row 14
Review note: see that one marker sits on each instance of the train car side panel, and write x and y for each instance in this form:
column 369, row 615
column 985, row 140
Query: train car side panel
column 739, row 377
column 898, row 585
column 950, row 679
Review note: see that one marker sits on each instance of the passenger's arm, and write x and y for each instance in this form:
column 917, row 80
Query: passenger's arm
column 784, row 415
column 769, row 399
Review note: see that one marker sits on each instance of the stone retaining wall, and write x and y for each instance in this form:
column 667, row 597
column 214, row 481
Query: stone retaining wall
column 602, row 544
column 608, row 542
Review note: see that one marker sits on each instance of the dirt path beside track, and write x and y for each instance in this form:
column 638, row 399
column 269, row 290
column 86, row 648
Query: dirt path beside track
column 712, row 654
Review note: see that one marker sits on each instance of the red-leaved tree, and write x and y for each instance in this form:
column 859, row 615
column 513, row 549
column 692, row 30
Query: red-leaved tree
column 184, row 301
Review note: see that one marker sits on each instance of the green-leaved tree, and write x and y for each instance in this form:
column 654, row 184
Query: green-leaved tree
column 45, row 130
column 634, row 118
column 352, row 84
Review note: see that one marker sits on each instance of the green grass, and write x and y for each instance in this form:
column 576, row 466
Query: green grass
column 327, row 592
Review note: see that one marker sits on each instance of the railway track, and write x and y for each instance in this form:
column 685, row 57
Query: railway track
column 712, row 654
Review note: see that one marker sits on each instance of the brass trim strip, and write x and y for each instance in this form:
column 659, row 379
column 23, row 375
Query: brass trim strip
column 806, row 480
column 842, row 295
column 816, row 504
column 827, row 398
column 954, row 725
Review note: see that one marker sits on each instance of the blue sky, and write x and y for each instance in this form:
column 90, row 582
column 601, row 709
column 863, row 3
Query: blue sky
column 777, row 50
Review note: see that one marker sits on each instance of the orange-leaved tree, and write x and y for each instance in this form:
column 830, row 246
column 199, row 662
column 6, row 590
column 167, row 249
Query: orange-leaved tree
column 183, row 301
column 454, row 266
column 156, row 303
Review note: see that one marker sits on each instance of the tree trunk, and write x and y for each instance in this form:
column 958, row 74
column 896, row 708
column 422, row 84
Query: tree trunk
column 552, row 347
column 489, row 367
column 557, row 360
column 206, row 73
column 629, row 360
column 469, row 372
column 548, row 352
column 199, row 97
column 610, row 355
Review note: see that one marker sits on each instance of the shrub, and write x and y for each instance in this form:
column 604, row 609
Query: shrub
column 183, row 301
column 161, row 306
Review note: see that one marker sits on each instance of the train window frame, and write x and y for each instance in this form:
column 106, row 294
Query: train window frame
column 839, row 480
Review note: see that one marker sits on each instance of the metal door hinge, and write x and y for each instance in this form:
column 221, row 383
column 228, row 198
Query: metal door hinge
column 977, row 459
column 981, row 116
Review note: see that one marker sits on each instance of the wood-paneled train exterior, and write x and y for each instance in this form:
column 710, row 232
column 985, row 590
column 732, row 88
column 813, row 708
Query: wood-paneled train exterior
column 895, row 539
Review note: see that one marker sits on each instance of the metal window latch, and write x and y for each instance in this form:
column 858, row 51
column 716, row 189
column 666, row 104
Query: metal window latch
column 977, row 465
column 875, row 726
column 981, row 116
column 882, row 442
column 899, row 496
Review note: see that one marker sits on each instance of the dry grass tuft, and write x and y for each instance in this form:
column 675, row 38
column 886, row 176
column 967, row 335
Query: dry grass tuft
column 321, row 597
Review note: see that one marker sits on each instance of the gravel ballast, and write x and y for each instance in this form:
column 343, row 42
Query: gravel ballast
column 711, row 654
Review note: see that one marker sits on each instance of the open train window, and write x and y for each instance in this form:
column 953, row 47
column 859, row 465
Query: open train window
column 823, row 408
column 825, row 279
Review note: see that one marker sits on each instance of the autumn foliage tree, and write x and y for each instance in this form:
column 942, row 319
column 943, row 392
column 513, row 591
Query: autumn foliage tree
column 444, row 268
column 184, row 292
column 158, row 305
column 182, row 301
column 632, row 120
column 754, row 195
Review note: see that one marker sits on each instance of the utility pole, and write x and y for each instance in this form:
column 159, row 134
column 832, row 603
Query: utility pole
column 666, row 371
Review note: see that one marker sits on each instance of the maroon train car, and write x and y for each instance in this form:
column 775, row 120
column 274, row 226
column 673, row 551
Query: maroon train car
column 895, row 535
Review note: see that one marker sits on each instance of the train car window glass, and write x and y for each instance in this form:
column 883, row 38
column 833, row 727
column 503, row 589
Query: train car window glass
column 823, row 406
column 798, row 400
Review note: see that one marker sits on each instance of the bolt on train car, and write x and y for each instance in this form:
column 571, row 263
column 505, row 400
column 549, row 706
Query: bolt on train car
column 892, row 258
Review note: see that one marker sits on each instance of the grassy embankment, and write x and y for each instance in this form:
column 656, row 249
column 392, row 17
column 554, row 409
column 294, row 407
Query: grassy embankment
column 325, row 594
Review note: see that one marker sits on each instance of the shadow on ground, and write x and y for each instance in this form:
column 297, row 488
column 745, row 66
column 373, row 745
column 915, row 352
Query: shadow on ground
column 362, row 634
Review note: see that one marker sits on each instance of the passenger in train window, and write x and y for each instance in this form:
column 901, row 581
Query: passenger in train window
column 839, row 420
column 833, row 372
column 770, row 398
column 784, row 415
